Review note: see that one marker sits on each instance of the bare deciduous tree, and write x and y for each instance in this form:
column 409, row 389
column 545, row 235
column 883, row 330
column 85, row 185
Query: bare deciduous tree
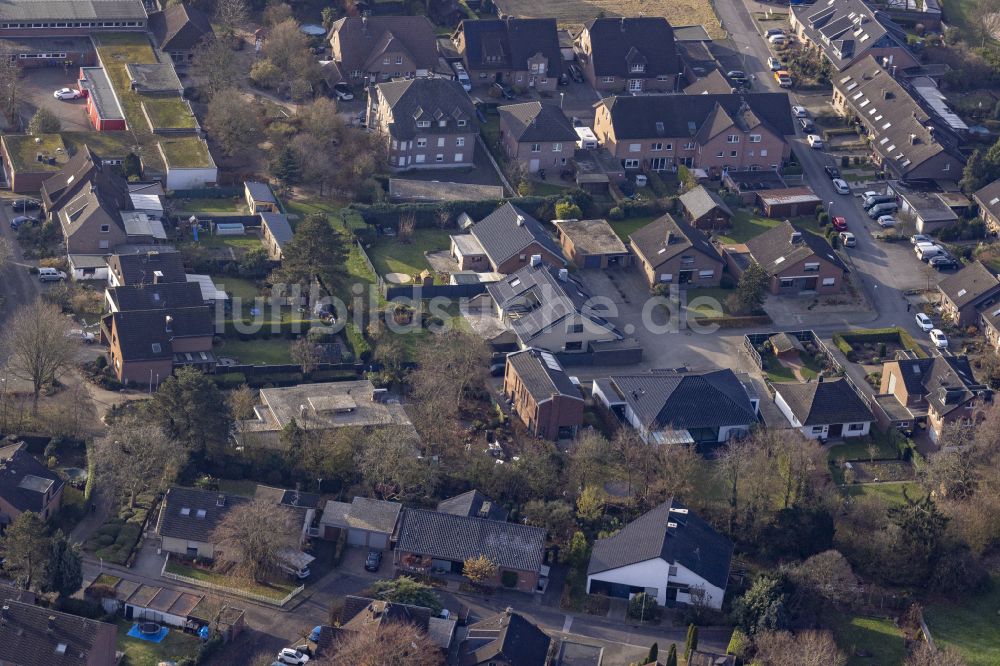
column 39, row 346
column 215, row 67
column 407, row 223
column 136, row 455
column 827, row 574
column 322, row 120
column 307, row 354
column 231, row 14
column 407, row 645
column 10, row 96
column 288, row 48
column 5, row 252
column 387, row 459
column 806, row 648
column 254, row 536
column 925, row 655
column 231, row 123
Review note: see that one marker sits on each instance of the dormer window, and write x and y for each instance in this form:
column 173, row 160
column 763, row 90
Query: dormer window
column 423, row 123
column 201, row 513
column 442, row 123
column 637, row 68
column 461, row 123
column 185, row 511
column 105, row 228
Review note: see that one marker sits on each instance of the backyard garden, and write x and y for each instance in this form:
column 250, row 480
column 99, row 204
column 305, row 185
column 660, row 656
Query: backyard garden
column 174, row 647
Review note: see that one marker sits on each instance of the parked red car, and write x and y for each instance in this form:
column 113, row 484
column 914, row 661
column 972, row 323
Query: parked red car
column 840, row 223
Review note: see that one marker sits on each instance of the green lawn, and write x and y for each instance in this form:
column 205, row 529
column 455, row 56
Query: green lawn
column 873, row 636
column 746, row 225
column 275, row 591
column 242, row 487
column 970, row 627
column 239, row 244
column 246, row 290
column 24, row 150
column 545, row 188
column 336, row 211
column 629, row 226
column 857, row 448
column 891, row 493
column 390, row 255
column 274, row 351
column 226, row 205
column 174, row 647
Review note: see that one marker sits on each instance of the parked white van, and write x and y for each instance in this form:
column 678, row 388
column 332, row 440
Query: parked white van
column 50, row 275
column 462, row 76
column 925, row 253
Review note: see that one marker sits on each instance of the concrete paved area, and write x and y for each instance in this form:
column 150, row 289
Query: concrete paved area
column 37, row 87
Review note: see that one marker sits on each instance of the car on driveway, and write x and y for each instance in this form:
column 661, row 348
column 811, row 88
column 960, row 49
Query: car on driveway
column 924, row 322
column 575, row 73
column 943, row 262
column 783, row 78
column 800, row 111
column 67, row 93
column 373, row 561
column 815, row 141
column 504, row 90
column 916, row 239
column 841, row 186
column 21, row 220
column 848, row 239
column 25, row 204
column 342, row 91
column 807, row 125
column 840, row 223
column 832, row 171
column 773, row 64
column 293, row 657
column 938, row 338
column 886, row 221
column 737, row 75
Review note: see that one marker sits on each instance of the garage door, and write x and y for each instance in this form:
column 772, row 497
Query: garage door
column 357, row 537
column 376, row 540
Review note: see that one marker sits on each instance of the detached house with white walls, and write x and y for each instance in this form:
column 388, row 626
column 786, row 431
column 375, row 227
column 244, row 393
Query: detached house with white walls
column 823, row 409
column 668, row 553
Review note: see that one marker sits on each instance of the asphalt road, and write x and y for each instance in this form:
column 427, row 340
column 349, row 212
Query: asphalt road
column 17, row 286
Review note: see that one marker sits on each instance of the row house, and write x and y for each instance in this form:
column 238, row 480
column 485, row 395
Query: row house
column 522, row 53
column 629, row 55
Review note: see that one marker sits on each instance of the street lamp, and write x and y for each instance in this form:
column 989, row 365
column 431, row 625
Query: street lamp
column 829, row 210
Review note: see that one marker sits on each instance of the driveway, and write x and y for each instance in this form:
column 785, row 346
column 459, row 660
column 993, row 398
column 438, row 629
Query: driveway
column 17, row 286
column 37, row 87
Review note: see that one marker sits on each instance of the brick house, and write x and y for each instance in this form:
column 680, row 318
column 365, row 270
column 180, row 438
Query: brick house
column 32, row 634
column 796, row 261
column 710, row 132
column 538, row 136
column 941, row 389
column 379, row 48
column 27, row 485
column 433, row 541
column 35, row 52
column 29, row 160
column 79, row 18
column 179, row 29
column 81, row 171
column 428, row 123
column 592, row 244
column 671, row 251
column 152, row 267
column 522, row 53
column 967, row 293
column 988, row 200
column 705, row 209
column 629, row 55
column 541, row 394
column 504, row 242
column 144, row 346
column 904, row 138
column 103, row 109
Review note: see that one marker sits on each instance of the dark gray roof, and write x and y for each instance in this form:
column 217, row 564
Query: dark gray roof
column 373, row 515
column 36, row 636
column 776, row 249
column 505, row 638
column 82, row 170
column 360, row 613
column 143, row 334
column 473, row 504
column 989, row 198
column 24, row 480
column 456, row 538
column 898, row 123
column 701, row 201
column 651, row 241
column 968, row 285
column 685, row 401
column 142, row 267
column 534, row 121
column 618, row 42
column 177, row 523
column 823, row 402
column 278, row 225
column 649, row 116
column 179, row 27
column 693, row 544
column 832, row 28
column 363, row 40
column 260, row 192
column 98, row 86
column 713, row 83
column 160, row 77
column 542, row 375
column 496, row 44
column 77, row 10
column 433, row 100
column 156, row 296
column 502, row 237
column 542, row 300
column 945, row 381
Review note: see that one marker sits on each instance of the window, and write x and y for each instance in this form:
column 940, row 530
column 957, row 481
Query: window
column 576, row 328
column 787, row 282
column 395, row 144
column 637, row 67
column 720, row 154
column 536, row 147
column 634, row 147
column 672, row 571
column 855, row 427
column 385, row 60
column 458, row 157
column 763, row 152
column 706, row 275
column 733, row 153
column 635, row 85
column 185, row 511
column 421, row 142
column 817, row 430
column 689, row 145
column 556, row 147
column 662, row 77
column 201, row 513
column 462, row 122
column 439, row 158
column 733, row 138
column 104, row 245
column 631, row 164
column 420, row 159
column 608, row 79
column 670, row 146
column 755, row 138
column 105, row 228
column 666, row 277
column 811, row 267
column 687, row 259
column 574, row 346
column 440, row 142
column 423, row 123
column 442, row 123
column 657, row 146
column 829, row 282
column 750, row 154
column 399, row 60
column 460, row 141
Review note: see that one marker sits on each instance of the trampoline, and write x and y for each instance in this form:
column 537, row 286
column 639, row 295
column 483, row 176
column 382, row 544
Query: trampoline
column 153, row 632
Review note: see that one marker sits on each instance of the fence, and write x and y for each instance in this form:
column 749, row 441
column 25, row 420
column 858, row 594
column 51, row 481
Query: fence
column 228, row 590
column 208, row 193
column 417, row 292
column 753, row 340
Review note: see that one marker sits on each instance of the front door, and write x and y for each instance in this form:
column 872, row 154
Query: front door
column 684, row 277
column 836, row 430
column 809, row 284
column 533, row 165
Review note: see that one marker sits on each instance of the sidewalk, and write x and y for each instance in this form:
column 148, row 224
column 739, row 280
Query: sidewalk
column 96, row 517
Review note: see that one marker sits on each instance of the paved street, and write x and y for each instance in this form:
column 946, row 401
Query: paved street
column 19, row 287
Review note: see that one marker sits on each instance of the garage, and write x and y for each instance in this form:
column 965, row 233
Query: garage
column 369, row 523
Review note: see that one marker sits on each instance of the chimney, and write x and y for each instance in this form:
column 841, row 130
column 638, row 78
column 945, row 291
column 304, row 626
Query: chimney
column 364, row 23
column 520, row 220
column 669, row 239
column 885, row 94
column 302, row 411
column 51, row 623
column 220, row 500
column 169, row 323
column 913, row 139
column 796, row 236
column 536, row 260
column 563, row 274
column 885, row 62
column 157, row 277
column 623, row 24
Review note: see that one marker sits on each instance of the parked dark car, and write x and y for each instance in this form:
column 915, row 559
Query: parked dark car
column 480, row 114
column 504, row 90
column 373, row 561
column 575, row 73
column 943, row 262
column 563, row 79
column 807, row 124
column 497, row 369
column 21, row 220
column 25, row 204
column 832, row 171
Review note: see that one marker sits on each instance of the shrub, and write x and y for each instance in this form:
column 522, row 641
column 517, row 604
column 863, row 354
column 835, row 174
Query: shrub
column 357, row 342
column 823, row 219
column 508, row 579
column 567, row 210
column 845, row 161
column 643, row 607
column 616, row 213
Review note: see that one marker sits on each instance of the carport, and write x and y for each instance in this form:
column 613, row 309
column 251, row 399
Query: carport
column 369, row 523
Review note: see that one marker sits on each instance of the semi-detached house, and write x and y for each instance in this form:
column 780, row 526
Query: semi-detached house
column 629, row 54
column 712, row 132
column 379, row 48
column 522, row 53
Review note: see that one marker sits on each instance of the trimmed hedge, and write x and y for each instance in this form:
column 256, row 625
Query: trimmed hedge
column 357, row 342
column 844, row 340
column 426, row 214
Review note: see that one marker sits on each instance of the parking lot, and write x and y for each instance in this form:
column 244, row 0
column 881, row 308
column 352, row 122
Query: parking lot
column 37, row 86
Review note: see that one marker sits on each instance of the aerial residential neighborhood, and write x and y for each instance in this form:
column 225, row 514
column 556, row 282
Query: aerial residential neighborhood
column 494, row 332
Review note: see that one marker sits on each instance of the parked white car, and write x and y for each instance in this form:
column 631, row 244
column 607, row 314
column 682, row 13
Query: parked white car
column 939, row 339
column 814, row 141
column 924, row 322
column 916, row 239
column 67, row 93
column 848, row 239
column 841, row 186
column 800, row 111
column 886, row 221
column 292, row 657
